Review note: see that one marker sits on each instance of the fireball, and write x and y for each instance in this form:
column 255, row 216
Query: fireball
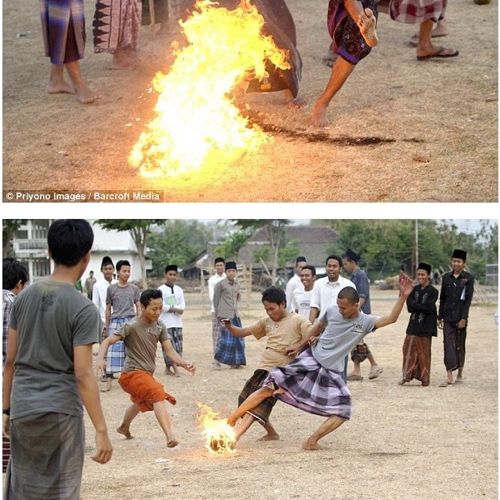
column 197, row 123
column 219, row 435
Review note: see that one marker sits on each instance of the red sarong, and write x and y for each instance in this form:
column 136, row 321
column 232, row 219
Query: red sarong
column 144, row 389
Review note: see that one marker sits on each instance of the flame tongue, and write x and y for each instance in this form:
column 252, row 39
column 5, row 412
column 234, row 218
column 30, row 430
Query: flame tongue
column 197, row 123
column 220, row 436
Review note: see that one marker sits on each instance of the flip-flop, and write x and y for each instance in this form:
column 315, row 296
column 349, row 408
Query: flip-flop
column 375, row 373
column 440, row 53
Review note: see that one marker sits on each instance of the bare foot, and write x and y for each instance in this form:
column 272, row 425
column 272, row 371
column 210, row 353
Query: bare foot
column 231, row 421
column 60, row 87
column 269, row 437
column 318, row 116
column 121, row 60
column 125, row 432
column 86, row 95
column 367, row 23
column 311, row 445
column 172, row 443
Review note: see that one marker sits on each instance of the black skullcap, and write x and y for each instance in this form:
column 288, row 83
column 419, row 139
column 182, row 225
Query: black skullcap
column 171, row 267
column 230, row 265
column 459, row 254
column 219, row 259
column 425, row 267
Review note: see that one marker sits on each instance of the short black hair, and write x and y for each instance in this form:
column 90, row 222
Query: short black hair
column 350, row 294
column 150, row 294
column 13, row 272
column 274, row 295
column 219, row 259
column 122, row 263
column 335, row 257
column 69, row 240
column 311, row 268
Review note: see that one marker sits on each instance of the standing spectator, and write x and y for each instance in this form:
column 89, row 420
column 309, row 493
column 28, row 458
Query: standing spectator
column 116, row 30
column 361, row 351
column 14, row 279
column 171, row 315
column 100, row 291
column 48, row 375
column 122, row 306
column 457, row 289
column 294, row 282
column 219, row 275
column 421, row 304
column 230, row 350
column 63, row 29
column 301, row 299
column 89, row 284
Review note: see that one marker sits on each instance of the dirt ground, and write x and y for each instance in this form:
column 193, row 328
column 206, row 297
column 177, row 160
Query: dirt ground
column 402, row 442
column 437, row 121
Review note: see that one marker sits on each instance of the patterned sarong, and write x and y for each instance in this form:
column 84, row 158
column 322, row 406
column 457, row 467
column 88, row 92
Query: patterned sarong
column 417, row 358
column 115, row 357
column 144, row 389
column 176, row 339
column 215, row 332
column 116, row 25
column 347, row 40
column 454, row 346
column 230, row 350
column 417, row 11
column 63, row 30
column 311, row 387
column 254, row 383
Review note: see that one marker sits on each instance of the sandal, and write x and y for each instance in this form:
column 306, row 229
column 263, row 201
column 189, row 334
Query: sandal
column 375, row 373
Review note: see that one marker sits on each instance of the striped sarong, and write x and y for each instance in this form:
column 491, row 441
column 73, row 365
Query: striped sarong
column 417, row 11
column 116, row 25
column 116, row 353
column 311, row 387
column 230, row 350
column 63, row 30
column 175, row 334
column 417, row 358
column 254, row 383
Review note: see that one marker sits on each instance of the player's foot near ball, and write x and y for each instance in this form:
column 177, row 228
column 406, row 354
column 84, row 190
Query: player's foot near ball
column 270, row 437
column 124, row 431
column 172, row 443
column 367, row 23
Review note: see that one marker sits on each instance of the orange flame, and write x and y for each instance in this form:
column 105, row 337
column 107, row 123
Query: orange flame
column 197, row 123
column 220, row 436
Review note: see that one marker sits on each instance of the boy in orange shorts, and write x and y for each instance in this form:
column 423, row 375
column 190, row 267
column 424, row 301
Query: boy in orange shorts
column 141, row 337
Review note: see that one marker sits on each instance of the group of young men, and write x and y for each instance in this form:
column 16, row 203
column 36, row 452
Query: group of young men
column 49, row 374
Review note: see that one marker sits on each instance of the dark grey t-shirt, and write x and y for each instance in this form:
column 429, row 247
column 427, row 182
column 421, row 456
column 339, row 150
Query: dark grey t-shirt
column 51, row 318
column 122, row 299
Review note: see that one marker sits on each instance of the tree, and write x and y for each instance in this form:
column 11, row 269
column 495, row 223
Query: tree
column 139, row 229
column 9, row 227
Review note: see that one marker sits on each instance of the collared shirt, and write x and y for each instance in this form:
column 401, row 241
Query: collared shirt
column 8, row 299
column 212, row 281
column 293, row 284
column 301, row 302
column 362, row 284
column 99, row 293
column 456, row 296
column 226, row 298
column 325, row 292
column 172, row 297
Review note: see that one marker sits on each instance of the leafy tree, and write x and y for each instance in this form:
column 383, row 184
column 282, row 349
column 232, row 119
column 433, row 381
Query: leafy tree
column 232, row 245
column 139, row 229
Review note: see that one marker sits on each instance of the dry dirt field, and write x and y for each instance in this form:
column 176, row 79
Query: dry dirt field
column 434, row 123
column 402, row 442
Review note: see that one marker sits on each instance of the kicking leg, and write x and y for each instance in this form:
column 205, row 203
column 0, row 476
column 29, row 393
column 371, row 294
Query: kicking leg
column 365, row 19
column 165, row 422
column 329, row 425
column 250, row 403
column 130, row 413
column 341, row 71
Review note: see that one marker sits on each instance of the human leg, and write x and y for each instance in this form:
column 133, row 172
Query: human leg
column 57, row 83
column 250, row 403
column 161, row 414
column 130, row 413
column 272, row 434
column 365, row 19
column 426, row 49
column 328, row 426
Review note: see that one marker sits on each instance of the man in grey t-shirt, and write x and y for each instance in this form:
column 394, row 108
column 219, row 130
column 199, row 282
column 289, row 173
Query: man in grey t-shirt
column 313, row 381
column 48, row 375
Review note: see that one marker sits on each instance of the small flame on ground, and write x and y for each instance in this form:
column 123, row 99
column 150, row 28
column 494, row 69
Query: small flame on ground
column 220, row 436
column 197, row 123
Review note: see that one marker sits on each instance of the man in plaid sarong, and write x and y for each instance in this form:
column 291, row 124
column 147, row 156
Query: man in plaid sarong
column 313, row 381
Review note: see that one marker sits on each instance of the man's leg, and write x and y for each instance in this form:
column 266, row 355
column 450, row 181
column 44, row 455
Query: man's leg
column 461, row 336
column 272, row 434
column 425, row 46
column 251, row 402
column 84, row 94
column 450, row 351
column 57, row 83
column 329, row 425
column 165, row 422
column 130, row 413
column 365, row 19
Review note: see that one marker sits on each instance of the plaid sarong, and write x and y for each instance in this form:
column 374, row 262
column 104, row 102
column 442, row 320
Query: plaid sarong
column 417, row 11
column 311, row 387
column 254, row 383
column 63, row 30
column 215, row 331
column 115, row 357
column 230, row 350
column 176, row 339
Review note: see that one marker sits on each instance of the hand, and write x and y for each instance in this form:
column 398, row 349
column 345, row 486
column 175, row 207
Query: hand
column 440, row 324
column 6, row 425
column 101, row 364
column 462, row 324
column 405, row 285
column 104, row 449
column 189, row 367
column 226, row 323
